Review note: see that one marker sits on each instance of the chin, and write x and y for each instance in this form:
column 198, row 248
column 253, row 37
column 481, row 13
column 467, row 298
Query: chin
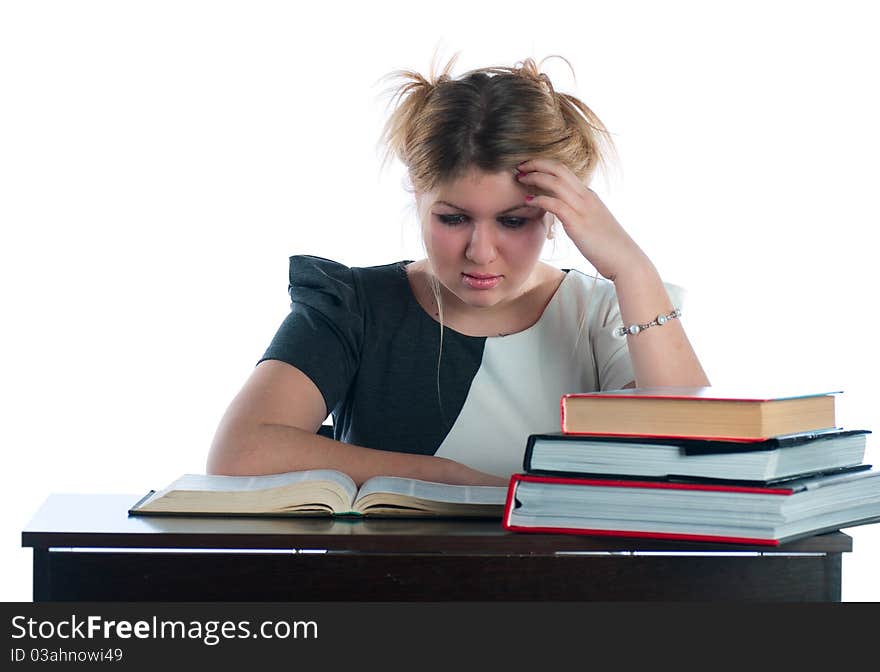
column 480, row 299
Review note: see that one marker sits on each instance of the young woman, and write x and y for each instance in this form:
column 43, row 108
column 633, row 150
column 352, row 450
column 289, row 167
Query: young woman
column 440, row 368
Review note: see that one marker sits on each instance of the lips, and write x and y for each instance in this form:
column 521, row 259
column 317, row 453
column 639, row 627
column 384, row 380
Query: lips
column 480, row 280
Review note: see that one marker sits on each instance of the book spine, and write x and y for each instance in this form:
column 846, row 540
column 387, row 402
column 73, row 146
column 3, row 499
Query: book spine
column 510, row 499
column 562, row 413
column 135, row 508
column 527, row 457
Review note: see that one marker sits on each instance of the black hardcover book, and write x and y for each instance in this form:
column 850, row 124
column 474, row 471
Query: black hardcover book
column 771, row 460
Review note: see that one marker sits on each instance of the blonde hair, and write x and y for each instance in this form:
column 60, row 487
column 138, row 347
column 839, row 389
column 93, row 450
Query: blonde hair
column 492, row 119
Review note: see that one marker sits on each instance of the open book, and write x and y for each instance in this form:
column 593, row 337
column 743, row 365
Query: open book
column 320, row 492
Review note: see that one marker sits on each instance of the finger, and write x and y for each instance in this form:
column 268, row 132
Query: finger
column 555, row 205
column 536, row 164
column 551, row 167
column 538, row 178
column 552, row 184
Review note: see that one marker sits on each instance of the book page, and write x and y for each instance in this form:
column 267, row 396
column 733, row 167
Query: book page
column 240, row 486
column 434, row 492
column 215, row 482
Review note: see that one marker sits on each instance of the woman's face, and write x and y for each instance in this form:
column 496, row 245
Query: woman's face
column 482, row 239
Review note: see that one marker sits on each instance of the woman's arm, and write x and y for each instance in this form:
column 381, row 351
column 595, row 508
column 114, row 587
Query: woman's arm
column 661, row 355
column 270, row 427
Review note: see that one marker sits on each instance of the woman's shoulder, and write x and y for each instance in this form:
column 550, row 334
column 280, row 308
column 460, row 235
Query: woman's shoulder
column 305, row 267
column 583, row 285
column 599, row 294
column 309, row 273
column 311, row 276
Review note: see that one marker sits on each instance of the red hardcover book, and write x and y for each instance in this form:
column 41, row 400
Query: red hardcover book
column 690, row 511
column 696, row 413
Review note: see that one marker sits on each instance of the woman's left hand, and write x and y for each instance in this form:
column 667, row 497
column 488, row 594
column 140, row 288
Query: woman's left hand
column 586, row 220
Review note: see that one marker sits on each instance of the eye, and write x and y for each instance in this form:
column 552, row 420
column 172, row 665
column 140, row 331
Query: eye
column 507, row 222
column 450, row 220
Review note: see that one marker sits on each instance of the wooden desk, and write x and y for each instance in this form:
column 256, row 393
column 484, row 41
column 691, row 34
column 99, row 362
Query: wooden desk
column 87, row 548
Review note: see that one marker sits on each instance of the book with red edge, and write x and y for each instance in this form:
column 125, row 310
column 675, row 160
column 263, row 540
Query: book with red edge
column 766, row 515
column 723, row 414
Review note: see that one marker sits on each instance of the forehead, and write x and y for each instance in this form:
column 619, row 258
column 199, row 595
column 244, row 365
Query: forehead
column 477, row 190
column 476, row 178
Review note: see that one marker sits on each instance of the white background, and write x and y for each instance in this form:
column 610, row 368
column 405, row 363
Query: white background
column 159, row 162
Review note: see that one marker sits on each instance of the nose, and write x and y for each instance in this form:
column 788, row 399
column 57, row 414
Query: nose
column 481, row 249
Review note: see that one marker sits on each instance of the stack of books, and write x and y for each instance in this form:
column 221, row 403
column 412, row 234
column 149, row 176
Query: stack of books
column 699, row 464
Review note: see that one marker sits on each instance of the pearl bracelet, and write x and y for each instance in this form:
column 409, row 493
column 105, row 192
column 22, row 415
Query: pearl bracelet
column 656, row 322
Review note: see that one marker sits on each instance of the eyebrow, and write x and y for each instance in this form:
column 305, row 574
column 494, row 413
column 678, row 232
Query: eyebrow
column 515, row 207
